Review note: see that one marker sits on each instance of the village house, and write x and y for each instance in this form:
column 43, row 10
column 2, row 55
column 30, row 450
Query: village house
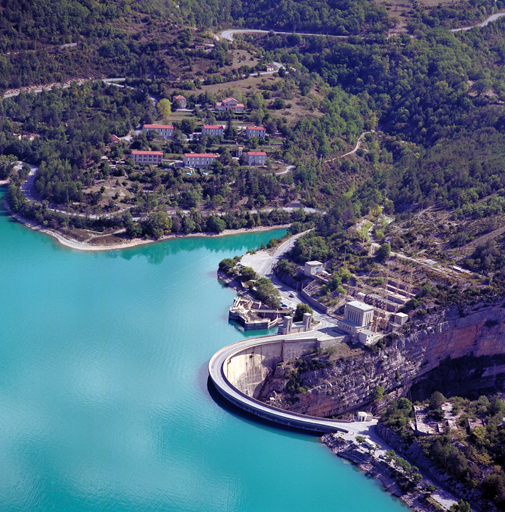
column 198, row 160
column 115, row 139
column 270, row 68
column 163, row 131
column 255, row 131
column 256, row 158
column 216, row 130
column 229, row 104
column 181, row 99
column 147, row 157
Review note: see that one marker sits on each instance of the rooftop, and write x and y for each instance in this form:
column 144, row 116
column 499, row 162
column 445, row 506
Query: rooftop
column 313, row 263
column 154, row 126
column 256, row 153
column 200, row 155
column 179, row 97
column 360, row 305
column 256, row 128
column 136, row 152
column 212, row 126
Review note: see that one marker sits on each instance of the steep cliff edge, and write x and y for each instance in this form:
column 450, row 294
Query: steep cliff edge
column 456, row 350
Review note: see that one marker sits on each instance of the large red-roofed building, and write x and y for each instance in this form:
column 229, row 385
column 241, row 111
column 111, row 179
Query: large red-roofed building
column 216, row 130
column 198, row 160
column 256, row 158
column 255, row 131
column 164, row 131
column 147, row 157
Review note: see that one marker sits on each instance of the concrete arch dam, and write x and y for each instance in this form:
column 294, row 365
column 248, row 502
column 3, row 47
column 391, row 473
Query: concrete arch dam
column 239, row 370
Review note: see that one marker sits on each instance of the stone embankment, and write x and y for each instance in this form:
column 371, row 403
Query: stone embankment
column 374, row 466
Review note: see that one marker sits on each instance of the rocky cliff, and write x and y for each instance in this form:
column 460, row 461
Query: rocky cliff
column 457, row 351
column 414, row 453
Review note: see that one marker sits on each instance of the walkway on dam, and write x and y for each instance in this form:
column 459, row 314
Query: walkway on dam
column 295, row 420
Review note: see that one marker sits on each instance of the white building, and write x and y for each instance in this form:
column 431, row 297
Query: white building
column 313, row 268
column 198, row 160
column 401, row 318
column 163, row 131
column 216, row 130
column 147, row 157
column 358, row 316
column 255, row 131
column 256, row 158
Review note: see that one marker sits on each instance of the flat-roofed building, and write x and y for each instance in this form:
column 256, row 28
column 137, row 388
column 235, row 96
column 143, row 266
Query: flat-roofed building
column 216, row 130
column 256, row 158
column 198, row 160
column 358, row 316
column 163, row 131
column 255, row 131
column 147, row 157
column 313, row 268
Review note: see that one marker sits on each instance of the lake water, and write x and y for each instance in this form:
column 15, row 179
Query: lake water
column 103, row 389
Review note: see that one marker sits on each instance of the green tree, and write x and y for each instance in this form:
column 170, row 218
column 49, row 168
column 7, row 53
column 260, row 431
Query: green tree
column 384, row 251
column 379, row 393
column 248, row 273
column 461, row 506
column 158, row 224
column 226, row 265
column 216, row 224
column 164, row 109
column 266, row 292
column 302, row 308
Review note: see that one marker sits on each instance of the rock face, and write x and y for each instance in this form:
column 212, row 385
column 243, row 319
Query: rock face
column 457, row 351
column 415, row 455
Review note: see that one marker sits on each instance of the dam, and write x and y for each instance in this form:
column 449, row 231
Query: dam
column 239, row 370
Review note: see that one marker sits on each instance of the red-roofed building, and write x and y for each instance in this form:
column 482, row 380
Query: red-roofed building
column 163, row 131
column 115, row 139
column 255, row 131
column 181, row 99
column 256, row 158
column 216, row 130
column 147, row 157
column 198, row 160
column 229, row 104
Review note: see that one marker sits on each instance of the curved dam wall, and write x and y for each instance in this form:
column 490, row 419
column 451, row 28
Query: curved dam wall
column 248, row 369
column 237, row 370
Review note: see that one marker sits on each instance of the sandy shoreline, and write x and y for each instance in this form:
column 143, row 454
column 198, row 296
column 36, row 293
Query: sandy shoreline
column 83, row 246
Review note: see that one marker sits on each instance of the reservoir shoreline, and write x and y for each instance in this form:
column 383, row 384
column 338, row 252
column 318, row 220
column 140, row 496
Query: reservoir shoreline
column 84, row 246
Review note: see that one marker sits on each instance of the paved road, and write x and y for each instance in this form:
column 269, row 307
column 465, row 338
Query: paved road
column 289, row 295
column 279, row 253
column 228, row 34
column 485, row 23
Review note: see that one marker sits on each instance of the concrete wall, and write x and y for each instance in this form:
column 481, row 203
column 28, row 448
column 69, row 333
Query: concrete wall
column 313, row 302
column 248, row 369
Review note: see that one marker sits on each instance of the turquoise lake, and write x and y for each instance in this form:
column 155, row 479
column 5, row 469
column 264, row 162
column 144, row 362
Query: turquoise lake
column 103, row 389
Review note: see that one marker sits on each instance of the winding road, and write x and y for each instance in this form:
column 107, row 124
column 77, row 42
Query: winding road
column 358, row 144
column 229, row 33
